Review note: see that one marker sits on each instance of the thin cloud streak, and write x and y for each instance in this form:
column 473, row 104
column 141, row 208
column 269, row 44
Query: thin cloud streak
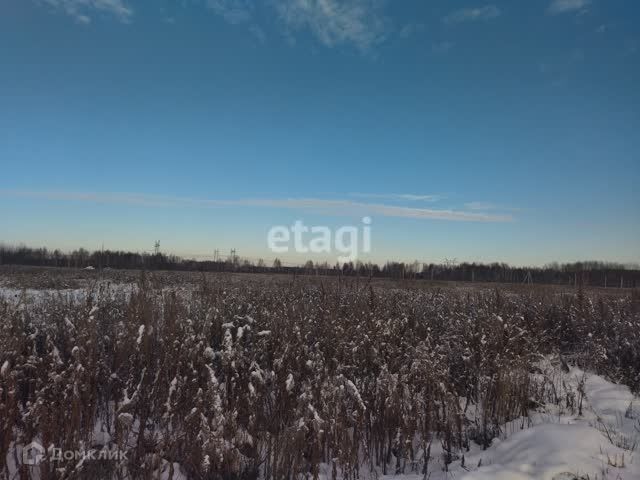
column 486, row 12
column 564, row 6
column 399, row 196
column 319, row 206
column 80, row 10
column 484, row 206
column 480, row 206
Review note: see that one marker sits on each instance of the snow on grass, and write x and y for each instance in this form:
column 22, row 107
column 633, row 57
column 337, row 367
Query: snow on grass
column 602, row 444
column 4, row 370
column 39, row 295
column 551, row 452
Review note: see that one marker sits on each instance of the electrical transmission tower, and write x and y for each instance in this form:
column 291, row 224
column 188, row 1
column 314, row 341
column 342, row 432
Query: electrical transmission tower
column 156, row 247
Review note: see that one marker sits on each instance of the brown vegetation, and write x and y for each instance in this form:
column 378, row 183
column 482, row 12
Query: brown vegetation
column 235, row 377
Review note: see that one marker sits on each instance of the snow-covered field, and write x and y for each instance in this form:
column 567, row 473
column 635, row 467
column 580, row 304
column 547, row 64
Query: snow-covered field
column 601, row 443
column 550, row 444
column 281, row 381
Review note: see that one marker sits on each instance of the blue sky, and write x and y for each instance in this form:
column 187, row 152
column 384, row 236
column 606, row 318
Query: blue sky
column 504, row 131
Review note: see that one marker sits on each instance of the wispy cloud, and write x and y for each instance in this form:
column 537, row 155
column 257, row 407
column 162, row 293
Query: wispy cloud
column 238, row 12
column 82, row 10
column 233, row 11
column 480, row 206
column 399, row 196
column 486, row 12
column 315, row 205
column 566, row 6
column 486, row 206
column 332, row 22
column 336, row 22
column 360, row 23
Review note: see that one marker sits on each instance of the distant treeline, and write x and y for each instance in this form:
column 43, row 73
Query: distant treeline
column 592, row 273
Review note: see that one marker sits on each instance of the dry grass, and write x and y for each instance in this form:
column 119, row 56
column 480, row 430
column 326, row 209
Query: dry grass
column 236, row 377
